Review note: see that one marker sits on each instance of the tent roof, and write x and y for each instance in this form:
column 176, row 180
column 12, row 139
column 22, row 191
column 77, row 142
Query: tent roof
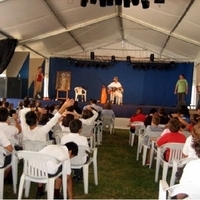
column 62, row 28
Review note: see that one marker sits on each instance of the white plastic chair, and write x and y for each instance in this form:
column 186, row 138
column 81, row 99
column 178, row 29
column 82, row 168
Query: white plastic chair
column 58, row 135
column 175, row 154
column 35, row 145
column 14, row 166
column 146, row 144
column 98, row 129
column 77, row 163
column 141, row 133
column 36, row 170
column 192, row 190
column 87, row 131
column 178, row 164
column 138, row 125
column 79, row 91
column 108, row 122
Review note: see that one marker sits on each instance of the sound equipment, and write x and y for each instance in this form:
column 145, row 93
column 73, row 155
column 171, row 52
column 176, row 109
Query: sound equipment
column 14, row 88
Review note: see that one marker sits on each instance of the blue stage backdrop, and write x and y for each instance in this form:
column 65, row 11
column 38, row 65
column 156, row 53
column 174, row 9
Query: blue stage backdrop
column 152, row 86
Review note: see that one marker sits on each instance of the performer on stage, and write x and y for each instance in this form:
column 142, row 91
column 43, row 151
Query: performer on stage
column 181, row 88
column 38, row 80
column 115, row 89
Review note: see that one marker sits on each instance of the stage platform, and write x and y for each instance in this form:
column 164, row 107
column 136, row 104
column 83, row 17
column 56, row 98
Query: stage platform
column 125, row 111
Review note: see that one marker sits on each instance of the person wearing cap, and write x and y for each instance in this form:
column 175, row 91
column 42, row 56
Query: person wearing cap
column 115, row 89
column 181, row 88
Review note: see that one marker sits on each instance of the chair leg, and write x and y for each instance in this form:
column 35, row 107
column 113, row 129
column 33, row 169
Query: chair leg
column 27, row 188
column 132, row 138
column 157, row 169
column 50, row 189
column 95, row 172
column 14, row 173
column 1, row 183
column 144, row 155
column 85, row 178
column 173, row 176
column 165, row 170
column 21, row 187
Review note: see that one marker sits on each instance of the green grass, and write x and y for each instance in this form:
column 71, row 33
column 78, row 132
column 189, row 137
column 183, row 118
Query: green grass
column 120, row 175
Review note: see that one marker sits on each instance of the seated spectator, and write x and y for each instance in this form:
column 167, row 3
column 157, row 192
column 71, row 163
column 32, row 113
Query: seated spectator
column 30, row 129
column 191, row 171
column 183, row 113
column 77, row 108
column 65, row 122
column 138, row 116
column 89, row 116
column 152, row 112
column 66, row 151
column 162, row 115
column 155, row 125
column 108, row 111
column 173, row 136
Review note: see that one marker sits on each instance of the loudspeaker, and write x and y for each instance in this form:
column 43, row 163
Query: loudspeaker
column 159, row 1
column 14, row 88
column 92, row 55
column 152, row 57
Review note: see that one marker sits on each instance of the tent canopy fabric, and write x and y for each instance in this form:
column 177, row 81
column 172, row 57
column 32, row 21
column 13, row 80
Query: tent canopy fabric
column 62, row 28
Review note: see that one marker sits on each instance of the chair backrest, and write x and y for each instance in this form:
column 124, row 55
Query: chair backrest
column 79, row 90
column 175, row 151
column 36, row 164
column 191, row 189
column 58, row 135
column 107, row 120
column 35, row 145
column 3, row 152
column 148, row 135
column 82, row 152
column 87, row 130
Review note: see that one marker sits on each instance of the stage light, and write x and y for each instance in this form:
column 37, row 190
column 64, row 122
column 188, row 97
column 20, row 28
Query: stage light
column 118, row 2
column 84, row 3
column 135, row 2
column 127, row 3
column 145, row 4
column 159, row 1
column 102, row 3
column 93, row 1
column 109, row 2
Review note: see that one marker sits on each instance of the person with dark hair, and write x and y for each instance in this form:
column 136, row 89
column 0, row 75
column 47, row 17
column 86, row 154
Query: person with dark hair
column 77, row 108
column 152, row 112
column 89, row 116
column 181, row 88
column 173, row 136
column 6, row 104
column 61, row 152
column 38, row 80
column 162, row 115
column 65, row 122
column 9, row 130
column 30, row 128
column 108, row 110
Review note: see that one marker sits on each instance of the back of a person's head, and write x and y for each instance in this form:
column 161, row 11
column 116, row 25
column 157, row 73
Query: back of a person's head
column 6, row 104
column 156, row 120
column 86, row 114
column 75, row 125
column 3, row 114
column 43, row 119
column 70, row 109
column 174, row 125
column 31, row 118
column 161, row 111
column 11, row 112
column 153, row 111
column 139, row 110
column 94, row 101
column 196, row 139
column 73, row 147
column 67, row 119
column 108, row 106
column 26, row 103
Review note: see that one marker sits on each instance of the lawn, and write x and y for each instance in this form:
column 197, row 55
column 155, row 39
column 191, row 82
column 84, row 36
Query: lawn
column 120, row 175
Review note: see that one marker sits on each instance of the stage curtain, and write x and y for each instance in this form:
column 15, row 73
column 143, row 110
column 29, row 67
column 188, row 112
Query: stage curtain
column 7, row 49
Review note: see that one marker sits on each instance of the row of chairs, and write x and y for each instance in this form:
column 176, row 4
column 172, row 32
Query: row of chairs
column 35, row 162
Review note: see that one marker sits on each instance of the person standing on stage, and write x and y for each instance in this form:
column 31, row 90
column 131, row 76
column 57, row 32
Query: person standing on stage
column 115, row 89
column 38, row 80
column 181, row 88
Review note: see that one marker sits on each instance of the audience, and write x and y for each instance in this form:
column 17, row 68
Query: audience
column 155, row 125
column 152, row 112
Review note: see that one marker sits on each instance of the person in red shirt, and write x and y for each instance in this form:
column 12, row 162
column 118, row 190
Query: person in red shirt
column 138, row 116
column 38, row 80
column 174, row 136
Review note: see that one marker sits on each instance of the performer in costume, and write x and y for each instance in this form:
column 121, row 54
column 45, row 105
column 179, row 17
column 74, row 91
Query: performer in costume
column 38, row 80
column 115, row 89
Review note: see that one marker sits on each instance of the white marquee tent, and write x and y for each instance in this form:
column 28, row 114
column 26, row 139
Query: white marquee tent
column 62, row 28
